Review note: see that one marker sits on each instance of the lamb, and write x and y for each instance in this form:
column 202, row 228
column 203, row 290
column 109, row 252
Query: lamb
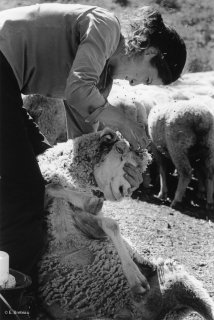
column 184, row 131
column 82, row 273
column 83, row 172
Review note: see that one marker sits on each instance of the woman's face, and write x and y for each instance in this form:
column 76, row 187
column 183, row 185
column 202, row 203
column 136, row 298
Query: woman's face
column 140, row 70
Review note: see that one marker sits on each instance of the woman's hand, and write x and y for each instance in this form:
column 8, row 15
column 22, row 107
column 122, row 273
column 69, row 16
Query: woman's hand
column 134, row 133
column 133, row 175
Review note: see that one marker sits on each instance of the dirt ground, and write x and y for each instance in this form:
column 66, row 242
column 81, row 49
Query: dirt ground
column 156, row 230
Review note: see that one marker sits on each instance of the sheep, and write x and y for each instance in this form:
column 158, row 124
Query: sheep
column 82, row 274
column 184, row 130
column 49, row 114
column 86, row 281
column 83, row 172
column 137, row 102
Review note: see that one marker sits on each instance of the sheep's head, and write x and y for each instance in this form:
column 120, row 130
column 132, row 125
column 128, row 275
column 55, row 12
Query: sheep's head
column 105, row 155
column 93, row 162
column 109, row 173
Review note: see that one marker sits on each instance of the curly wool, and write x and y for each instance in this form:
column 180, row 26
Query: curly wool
column 183, row 131
column 77, row 289
column 70, row 164
column 75, row 270
column 82, row 278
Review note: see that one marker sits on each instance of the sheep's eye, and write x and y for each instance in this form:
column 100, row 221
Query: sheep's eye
column 119, row 149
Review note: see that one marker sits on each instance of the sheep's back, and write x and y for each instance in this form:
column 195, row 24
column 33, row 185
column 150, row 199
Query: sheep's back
column 49, row 114
column 186, row 122
column 157, row 126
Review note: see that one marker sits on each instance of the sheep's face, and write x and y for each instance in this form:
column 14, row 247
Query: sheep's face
column 109, row 173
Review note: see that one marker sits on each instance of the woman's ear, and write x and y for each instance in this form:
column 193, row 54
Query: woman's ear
column 151, row 51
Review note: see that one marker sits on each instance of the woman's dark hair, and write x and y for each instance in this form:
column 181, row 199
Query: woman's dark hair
column 152, row 32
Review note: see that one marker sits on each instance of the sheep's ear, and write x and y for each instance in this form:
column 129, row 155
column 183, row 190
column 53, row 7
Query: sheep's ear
column 108, row 137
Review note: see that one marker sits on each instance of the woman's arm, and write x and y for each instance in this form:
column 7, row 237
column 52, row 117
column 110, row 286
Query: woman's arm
column 99, row 36
column 114, row 118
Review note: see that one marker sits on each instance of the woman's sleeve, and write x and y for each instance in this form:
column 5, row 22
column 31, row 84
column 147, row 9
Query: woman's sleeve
column 98, row 41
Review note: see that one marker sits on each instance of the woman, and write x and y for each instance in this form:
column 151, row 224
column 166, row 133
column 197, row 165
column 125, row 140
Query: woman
column 72, row 52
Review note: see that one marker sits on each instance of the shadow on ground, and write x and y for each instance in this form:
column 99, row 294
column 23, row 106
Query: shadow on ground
column 191, row 205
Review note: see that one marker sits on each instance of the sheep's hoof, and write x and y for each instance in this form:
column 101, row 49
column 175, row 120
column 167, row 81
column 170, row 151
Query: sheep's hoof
column 210, row 206
column 165, row 269
column 93, row 205
column 162, row 196
column 176, row 205
column 201, row 195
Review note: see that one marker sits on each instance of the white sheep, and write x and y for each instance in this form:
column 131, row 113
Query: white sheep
column 83, row 274
column 85, row 280
column 49, row 114
column 182, row 130
column 77, row 171
column 137, row 103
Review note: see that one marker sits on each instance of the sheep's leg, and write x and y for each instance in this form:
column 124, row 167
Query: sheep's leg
column 183, row 182
column 136, row 280
column 163, row 185
column 209, row 165
column 94, row 224
column 187, row 293
column 200, row 175
column 182, row 164
column 162, row 172
column 210, row 192
column 76, row 198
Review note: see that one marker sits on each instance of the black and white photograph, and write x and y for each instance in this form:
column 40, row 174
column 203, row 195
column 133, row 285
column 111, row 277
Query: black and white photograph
column 106, row 160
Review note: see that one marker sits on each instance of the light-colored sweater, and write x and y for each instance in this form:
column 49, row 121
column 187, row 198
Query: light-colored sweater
column 60, row 50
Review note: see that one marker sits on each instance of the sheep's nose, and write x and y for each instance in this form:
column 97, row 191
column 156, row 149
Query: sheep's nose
column 124, row 191
column 121, row 191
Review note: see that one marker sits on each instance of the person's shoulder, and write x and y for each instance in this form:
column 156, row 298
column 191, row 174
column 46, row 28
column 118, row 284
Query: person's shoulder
column 106, row 15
